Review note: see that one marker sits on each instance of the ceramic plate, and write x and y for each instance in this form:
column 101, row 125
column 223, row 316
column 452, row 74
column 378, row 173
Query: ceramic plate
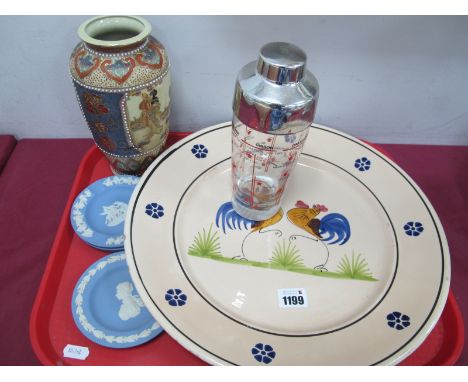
column 365, row 289
column 108, row 310
column 98, row 212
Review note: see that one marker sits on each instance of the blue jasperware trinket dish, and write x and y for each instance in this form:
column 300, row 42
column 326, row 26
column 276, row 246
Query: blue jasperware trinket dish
column 107, row 309
column 98, row 212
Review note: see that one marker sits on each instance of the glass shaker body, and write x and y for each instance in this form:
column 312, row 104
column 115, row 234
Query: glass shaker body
column 274, row 104
column 261, row 166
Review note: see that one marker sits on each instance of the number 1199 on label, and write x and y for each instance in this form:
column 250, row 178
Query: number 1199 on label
column 292, row 298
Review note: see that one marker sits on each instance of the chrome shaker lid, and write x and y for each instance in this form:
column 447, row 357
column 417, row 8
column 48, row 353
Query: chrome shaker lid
column 276, row 94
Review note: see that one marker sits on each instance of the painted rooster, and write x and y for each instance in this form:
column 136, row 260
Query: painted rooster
column 332, row 228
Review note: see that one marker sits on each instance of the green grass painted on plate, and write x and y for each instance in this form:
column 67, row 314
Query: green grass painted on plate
column 357, row 268
column 206, row 245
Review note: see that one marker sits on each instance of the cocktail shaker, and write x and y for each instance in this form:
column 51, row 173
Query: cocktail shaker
column 274, row 104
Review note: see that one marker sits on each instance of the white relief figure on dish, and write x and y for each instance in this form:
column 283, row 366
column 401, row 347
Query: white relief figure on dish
column 131, row 303
column 115, row 213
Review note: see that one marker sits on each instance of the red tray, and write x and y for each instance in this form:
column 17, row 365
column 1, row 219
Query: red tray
column 52, row 326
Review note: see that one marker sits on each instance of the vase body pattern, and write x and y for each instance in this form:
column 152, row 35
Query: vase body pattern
column 124, row 95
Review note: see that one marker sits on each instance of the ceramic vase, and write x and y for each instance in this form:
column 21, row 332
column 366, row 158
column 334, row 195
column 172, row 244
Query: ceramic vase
column 122, row 82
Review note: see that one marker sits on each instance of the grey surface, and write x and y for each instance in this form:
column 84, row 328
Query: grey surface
column 401, row 79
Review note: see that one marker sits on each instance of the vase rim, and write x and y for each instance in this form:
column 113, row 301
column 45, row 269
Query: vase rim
column 95, row 26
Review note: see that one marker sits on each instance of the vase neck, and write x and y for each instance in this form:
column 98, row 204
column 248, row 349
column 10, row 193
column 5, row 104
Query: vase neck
column 114, row 34
column 117, row 49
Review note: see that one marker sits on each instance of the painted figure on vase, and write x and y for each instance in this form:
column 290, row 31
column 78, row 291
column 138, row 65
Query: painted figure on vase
column 148, row 121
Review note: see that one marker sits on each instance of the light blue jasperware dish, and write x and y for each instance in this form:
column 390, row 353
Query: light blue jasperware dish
column 107, row 309
column 98, row 212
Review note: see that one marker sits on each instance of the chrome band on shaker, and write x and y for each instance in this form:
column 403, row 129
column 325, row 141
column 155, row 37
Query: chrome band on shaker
column 276, row 94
